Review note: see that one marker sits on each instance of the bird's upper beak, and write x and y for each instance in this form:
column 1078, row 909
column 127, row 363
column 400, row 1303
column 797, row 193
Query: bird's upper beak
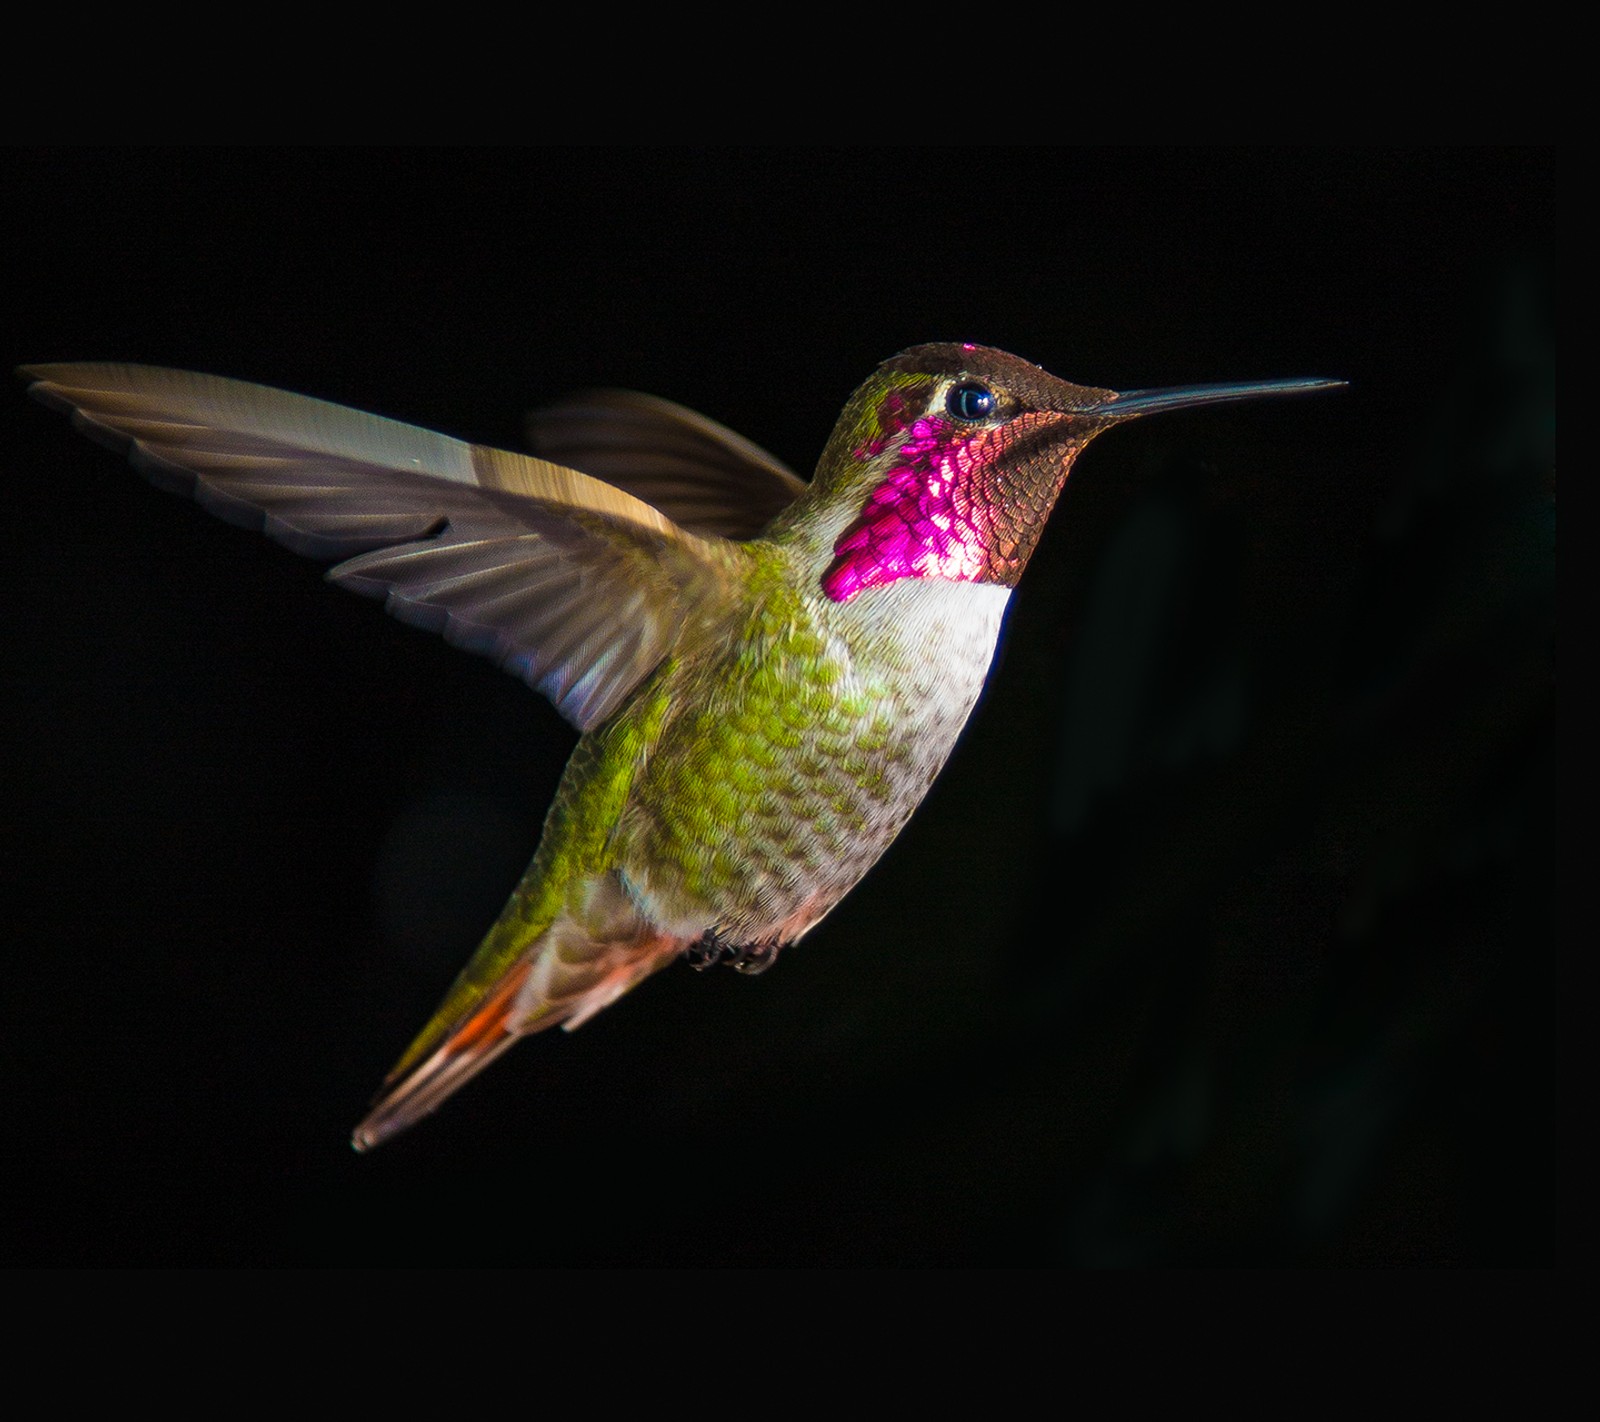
column 1129, row 403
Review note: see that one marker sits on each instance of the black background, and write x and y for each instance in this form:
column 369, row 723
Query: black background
column 1226, row 937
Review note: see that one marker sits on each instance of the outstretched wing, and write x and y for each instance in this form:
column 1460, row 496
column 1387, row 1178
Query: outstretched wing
column 572, row 584
column 700, row 474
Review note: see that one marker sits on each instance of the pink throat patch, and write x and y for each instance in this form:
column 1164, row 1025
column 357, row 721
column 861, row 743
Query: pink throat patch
column 921, row 522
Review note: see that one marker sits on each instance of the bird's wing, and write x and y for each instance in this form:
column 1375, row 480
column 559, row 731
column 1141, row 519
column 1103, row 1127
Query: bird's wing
column 572, row 584
column 700, row 474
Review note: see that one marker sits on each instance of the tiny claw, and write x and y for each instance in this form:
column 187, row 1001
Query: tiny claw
column 715, row 947
column 754, row 958
column 707, row 951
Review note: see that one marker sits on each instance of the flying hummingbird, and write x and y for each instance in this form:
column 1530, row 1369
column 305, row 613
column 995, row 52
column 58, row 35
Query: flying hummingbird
column 767, row 673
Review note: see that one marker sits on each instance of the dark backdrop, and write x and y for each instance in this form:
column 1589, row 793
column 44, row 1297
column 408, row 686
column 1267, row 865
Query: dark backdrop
column 1226, row 937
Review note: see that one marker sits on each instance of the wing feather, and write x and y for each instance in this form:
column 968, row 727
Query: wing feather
column 700, row 474
column 577, row 586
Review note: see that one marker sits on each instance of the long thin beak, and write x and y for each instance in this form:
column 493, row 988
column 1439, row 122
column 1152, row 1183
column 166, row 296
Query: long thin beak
column 1129, row 403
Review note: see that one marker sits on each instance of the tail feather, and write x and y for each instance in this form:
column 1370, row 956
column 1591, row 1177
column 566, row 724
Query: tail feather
column 413, row 1090
column 559, row 980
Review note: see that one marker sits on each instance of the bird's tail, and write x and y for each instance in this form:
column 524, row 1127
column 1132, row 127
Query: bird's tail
column 411, row 1091
column 566, row 974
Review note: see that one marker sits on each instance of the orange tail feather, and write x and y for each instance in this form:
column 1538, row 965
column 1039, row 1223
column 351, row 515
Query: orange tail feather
column 412, row 1091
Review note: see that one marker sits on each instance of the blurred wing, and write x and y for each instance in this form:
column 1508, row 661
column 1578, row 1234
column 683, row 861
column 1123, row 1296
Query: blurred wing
column 700, row 474
column 575, row 586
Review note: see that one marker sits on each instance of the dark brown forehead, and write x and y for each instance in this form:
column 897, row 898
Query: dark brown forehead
column 1020, row 378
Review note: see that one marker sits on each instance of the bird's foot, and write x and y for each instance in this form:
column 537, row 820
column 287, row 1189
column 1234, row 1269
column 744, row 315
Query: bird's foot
column 715, row 947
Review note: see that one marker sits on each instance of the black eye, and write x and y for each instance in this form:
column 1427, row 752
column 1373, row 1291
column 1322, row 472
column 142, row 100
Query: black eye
column 970, row 401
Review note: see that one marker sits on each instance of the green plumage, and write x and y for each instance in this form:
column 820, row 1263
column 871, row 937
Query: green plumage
column 759, row 770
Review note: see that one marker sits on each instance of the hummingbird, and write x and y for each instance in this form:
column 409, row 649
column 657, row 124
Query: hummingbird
column 767, row 673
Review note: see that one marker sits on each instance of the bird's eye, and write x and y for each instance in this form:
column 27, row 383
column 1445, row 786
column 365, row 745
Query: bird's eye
column 970, row 401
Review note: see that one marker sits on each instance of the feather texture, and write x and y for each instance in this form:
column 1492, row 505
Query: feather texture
column 700, row 474
column 574, row 585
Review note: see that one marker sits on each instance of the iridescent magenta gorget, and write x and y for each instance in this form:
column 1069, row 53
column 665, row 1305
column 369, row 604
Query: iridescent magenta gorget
column 940, row 514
